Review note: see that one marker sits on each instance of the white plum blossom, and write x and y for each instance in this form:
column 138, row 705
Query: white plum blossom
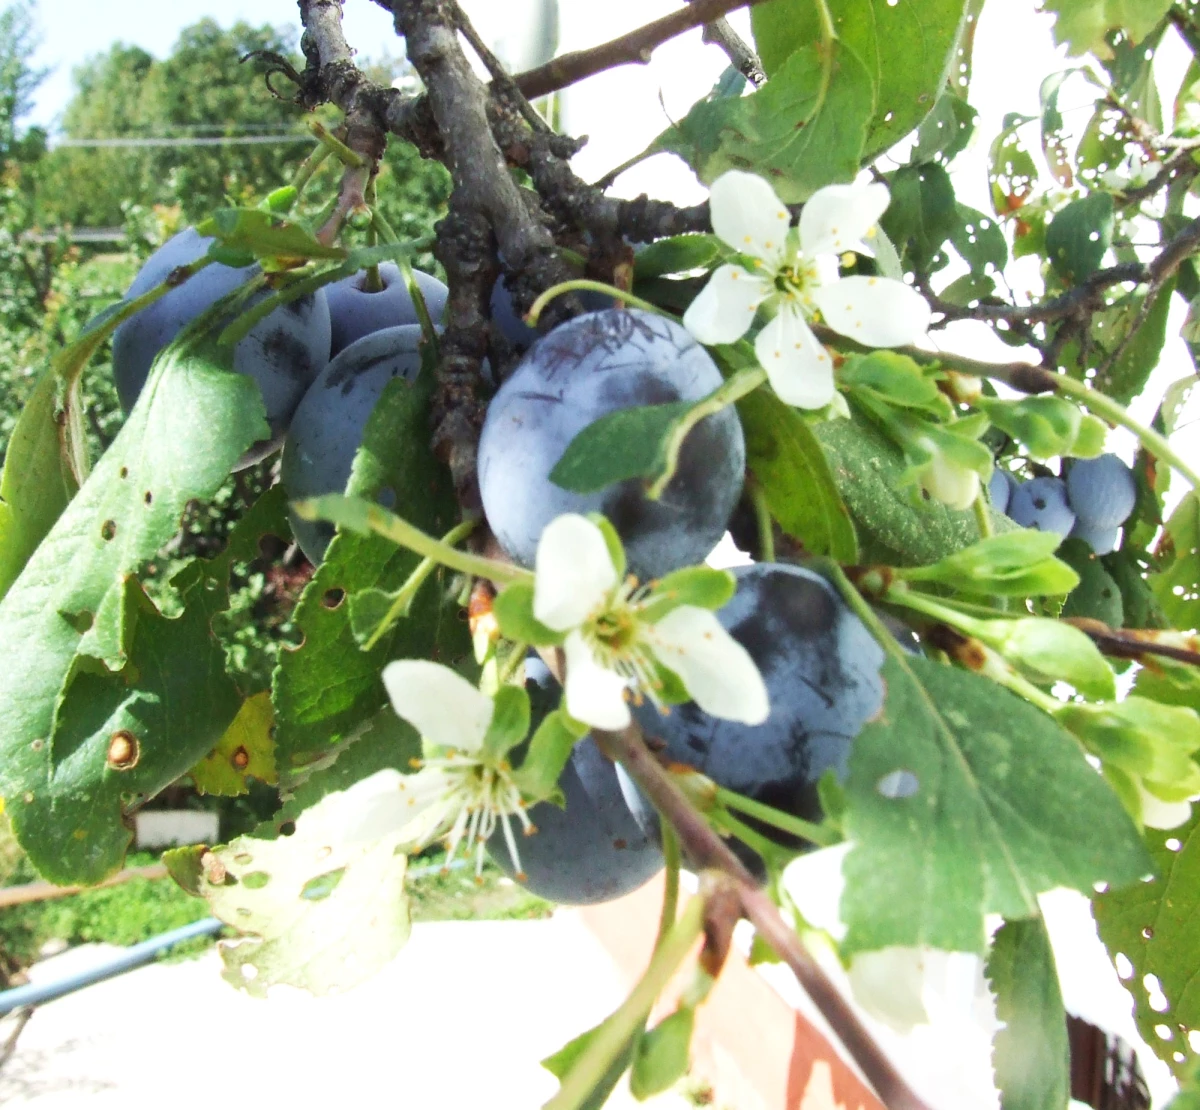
column 794, row 273
column 618, row 634
column 461, row 793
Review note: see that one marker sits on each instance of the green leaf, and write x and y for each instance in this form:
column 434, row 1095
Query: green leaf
column 907, row 50
column 703, row 587
column 1032, row 1054
column 510, row 721
column 1097, row 596
column 921, row 216
column 803, row 129
column 1047, row 651
column 1011, row 169
column 790, row 464
column 1156, row 927
column 1015, row 564
column 245, row 750
column 328, row 688
column 549, row 750
column 317, row 911
column 90, row 656
column 965, row 800
column 265, row 235
column 1054, row 145
column 1084, row 24
column 894, row 378
column 1177, row 585
column 1048, row 425
column 945, row 132
column 894, row 525
column 1126, row 377
column 624, row 444
column 36, row 483
column 564, row 1059
column 680, row 254
column 513, row 610
column 663, row 1054
column 980, row 241
column 1079, row 236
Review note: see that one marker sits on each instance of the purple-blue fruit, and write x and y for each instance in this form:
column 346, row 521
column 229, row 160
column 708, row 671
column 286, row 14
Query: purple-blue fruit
column 1041, row 503
column 355, row 312
column 328, row 426
column 283, row 353
column 1102, row 541
column 1102, row 492
column 821, row 667
column 518, row 333
column 587, row 368
column 1000, row 489
column 594, row 850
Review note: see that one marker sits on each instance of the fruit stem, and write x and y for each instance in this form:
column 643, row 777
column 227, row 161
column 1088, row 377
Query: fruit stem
column 538, row 307
column 863, row 611
column 515, row 658
column 769, row 815
column 363, row 516
column 610, row 1039
column 982, row 517
column 404, row 596
column 336, row 147
column 762, row 517
column 309, row 166
column 1104, row 406
column 372, row 283
column 671, row 860
column 428, row 331
column 734, row 388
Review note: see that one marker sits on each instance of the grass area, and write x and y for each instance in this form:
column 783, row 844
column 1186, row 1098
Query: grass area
column 143, row 908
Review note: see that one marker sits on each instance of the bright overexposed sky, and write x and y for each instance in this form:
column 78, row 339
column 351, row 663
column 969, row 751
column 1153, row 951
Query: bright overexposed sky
column 622, row 112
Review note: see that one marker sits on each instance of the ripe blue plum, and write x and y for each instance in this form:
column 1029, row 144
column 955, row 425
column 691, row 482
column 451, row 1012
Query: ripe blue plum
column 587, row 368
column 1102, row 492
column 821, row 666
column 1102, row 541
column 1000, row 489
column 594, row 850
column 328, row 426
column 355, row 312
column 1041, row 503
column 283, row 353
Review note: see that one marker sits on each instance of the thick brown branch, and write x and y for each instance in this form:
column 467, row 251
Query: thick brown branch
column 707, row 850
column 1137, row 643
column 633, row 48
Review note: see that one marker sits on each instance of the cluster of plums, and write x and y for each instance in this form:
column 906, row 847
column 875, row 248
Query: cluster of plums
column 1091, row 503
column 322, row 363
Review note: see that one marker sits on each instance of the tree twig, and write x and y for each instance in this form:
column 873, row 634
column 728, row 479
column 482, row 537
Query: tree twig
column 1136, row 643
column 707, row 850
column 633, row 48
column 740, row 54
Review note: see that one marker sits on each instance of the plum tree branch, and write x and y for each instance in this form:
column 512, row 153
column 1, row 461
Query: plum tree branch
column 740, row 54
column 633, row 48
column 706, row 850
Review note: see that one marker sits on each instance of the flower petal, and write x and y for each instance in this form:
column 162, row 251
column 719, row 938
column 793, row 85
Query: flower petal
column 439, row 703
column 573, row 572
column 837, row 217
column 595, row 695
column 749, row 217
column 875, row 311
column 815, row 882
column 724, row 309
column 717, row 671
column 385, row 805
column 890, row 985
column 798, row 367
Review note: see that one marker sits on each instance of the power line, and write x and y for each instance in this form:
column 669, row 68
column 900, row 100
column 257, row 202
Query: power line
column 223, row 140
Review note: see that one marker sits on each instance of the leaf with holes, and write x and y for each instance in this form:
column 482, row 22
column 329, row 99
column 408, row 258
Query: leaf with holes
column 244, row 751
column 945, row 132
column 894, row 525
column 921, row 216
column 803, row 129
column 1032, row 1056
column 1084, row 24
column 1156, row 927
column 72, row 616
column 1177, row 584
column 328, row 688
column 1079, row 236
column 965, row 800
column 317, row 909
column 908, row 50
